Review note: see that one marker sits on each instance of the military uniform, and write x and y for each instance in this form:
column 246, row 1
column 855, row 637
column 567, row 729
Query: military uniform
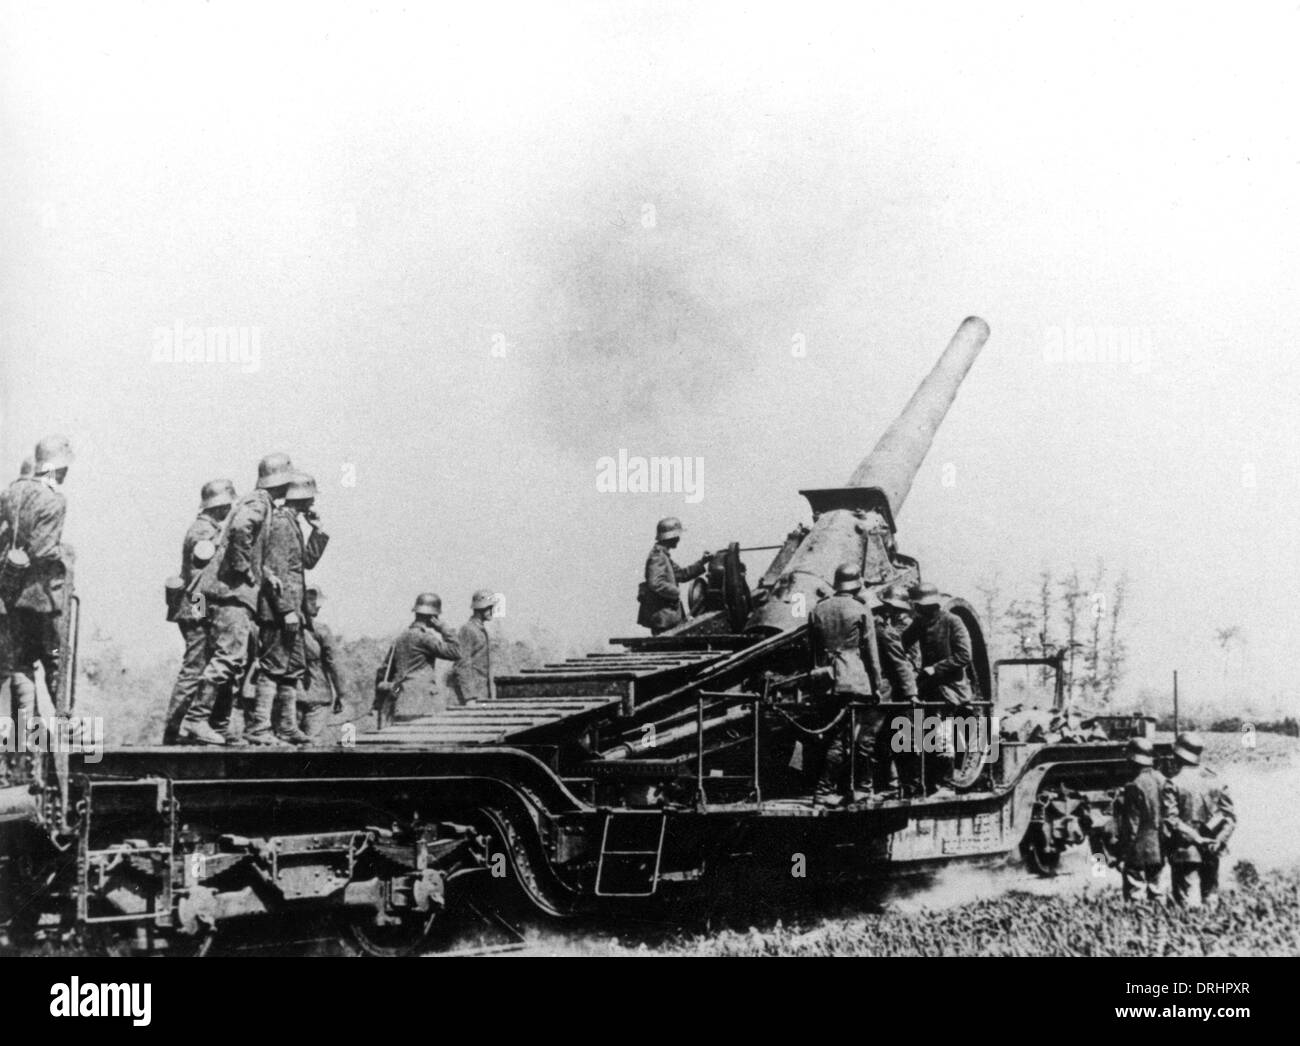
column 473, row 672
column 843, row 638
column 1196, row 807
column 321, row 685
column 661, row 604
column 231, row 586
column 282, row 657
column 1138, row 819
column 34, row 510
column 192, row 620
column 415, row 653
column 943, row 644
column 897, row 683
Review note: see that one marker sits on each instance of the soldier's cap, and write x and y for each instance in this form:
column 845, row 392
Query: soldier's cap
column 484, row 597
column 1188, row 748
column 427, row 603
column 52, row 453
column 301, row 487
column 925, row 595
column 848, row 578
column 1142, row 752
column 315, row 590
column 217, row 492
column 274, row 470
column 668, row 527
column 894, row 596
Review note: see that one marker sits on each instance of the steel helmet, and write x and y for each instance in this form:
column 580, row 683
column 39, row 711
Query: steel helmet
column 668, row 527
column 1141, row 751
column 427, row 603
column 1188, row 748
column 28, row 467
column 926, row 596
column 301, row 487
column 894, row 596
column 217, row 492
column 274, row 470
column 484, row 597
column 848, row 578
column 52, row 453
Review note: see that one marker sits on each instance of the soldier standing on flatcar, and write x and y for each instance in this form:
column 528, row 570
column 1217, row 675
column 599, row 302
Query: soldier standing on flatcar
column 232, row 586
column 1138, row 820
column 897, row 684
column 659, row 597
column 322, row 689
column 1199, row 819
column 945, row 654
column 187, row 607
column 843, row 637
column 409, row 666
column 473, row 672
column 35, row 575
column 27, row 468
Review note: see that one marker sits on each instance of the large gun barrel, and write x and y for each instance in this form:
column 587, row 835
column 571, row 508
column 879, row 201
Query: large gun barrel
column 844, row 518
column 898, row 455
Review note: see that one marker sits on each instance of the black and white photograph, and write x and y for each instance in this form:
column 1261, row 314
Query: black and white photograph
column 650, row 479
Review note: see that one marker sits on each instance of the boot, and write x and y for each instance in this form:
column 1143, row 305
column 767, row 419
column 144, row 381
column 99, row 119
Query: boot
column 286, row 715
column 257, row 718
column 194, row 728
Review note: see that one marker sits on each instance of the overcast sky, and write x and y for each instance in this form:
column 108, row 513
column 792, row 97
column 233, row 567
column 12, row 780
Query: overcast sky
column 483, row 247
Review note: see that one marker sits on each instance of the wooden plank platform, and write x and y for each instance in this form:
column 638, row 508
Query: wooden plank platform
column 488, row 722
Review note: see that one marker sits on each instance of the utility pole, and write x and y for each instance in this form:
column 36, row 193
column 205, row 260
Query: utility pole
column 1175, row 702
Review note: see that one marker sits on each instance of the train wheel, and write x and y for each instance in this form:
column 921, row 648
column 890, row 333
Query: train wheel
column 366, row 936
column 1038, row 858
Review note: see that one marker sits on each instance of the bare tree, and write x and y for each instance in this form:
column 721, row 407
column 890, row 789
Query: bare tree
column 1072, row 601
column 1116, row 649
column 990, row 591
column 1045, row 608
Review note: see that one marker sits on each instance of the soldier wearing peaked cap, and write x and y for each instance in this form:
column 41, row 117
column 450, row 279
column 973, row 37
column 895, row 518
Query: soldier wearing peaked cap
column 659, row 597
column 186, row 605
column 232, row 584
column 1199, row 818
column 944, row 646
column 409, row 667
column 897, row 682
column 1138, row 818
column 35, row 574
column 472, row 676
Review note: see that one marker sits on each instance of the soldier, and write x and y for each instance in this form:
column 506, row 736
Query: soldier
column 1199, row 819
column 411, row 660
column 232, row 586
column 282, row 614
column 945, row 653
column 659, row 596
column 322, row 689
column 27, row 468
column 843, row 637
column 1137, row 817
column 36, row 575
column 897, row 683
column 473, row 672
column 190, row 614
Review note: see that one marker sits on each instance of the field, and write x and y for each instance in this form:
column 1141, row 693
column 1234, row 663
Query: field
column 1007, row 912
